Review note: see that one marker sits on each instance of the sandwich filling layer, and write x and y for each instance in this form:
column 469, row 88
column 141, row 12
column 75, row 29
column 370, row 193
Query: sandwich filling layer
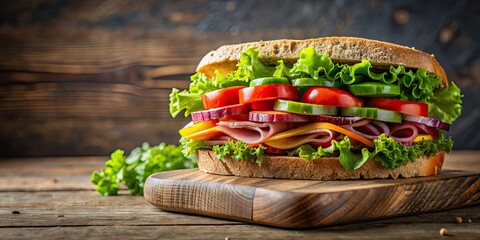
column 316, row 108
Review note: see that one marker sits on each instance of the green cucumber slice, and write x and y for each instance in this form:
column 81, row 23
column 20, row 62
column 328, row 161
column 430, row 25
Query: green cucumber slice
column 374, row 89
column 372, row 113
column 268, row 80
column 304, row 108
column 308, row 82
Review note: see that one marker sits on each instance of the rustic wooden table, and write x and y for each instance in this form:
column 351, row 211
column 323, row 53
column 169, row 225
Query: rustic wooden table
column 52, row 198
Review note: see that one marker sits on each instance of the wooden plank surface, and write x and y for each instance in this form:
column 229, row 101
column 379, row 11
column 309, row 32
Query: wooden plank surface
column 80, row 213
column 306, row 204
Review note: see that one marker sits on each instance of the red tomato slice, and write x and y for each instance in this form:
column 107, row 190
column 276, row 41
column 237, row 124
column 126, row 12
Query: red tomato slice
column 263, row 105
column 331, row 97
column 221, row 97
column 323, row 145
column 403, row 106
column 268, row 92
column 269, row 149
column 273, row 150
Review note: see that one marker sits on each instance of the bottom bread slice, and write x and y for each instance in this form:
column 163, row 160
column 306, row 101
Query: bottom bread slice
column 319, row 169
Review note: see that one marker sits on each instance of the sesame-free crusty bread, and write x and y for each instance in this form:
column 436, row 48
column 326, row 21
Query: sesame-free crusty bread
column 318, row 169
column 340, row 49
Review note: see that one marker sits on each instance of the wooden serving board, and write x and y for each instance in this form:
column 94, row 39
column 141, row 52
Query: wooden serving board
column 306, row 203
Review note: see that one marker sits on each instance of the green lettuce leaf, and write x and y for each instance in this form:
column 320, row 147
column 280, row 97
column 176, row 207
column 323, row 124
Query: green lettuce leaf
column 134, row 169
column 184, row 100
column 446, row 103
column 308, row 152
column 392, row 154
column 349, row 158
column 249, row 67
column 282, row 70
column 189, row 146
column 388, row 152
column 415, row 86
column 107, row 181
column 315, row 66
column 239, row 151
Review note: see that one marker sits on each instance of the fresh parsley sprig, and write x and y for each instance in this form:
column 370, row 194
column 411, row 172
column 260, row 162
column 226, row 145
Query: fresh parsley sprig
column 133, row 170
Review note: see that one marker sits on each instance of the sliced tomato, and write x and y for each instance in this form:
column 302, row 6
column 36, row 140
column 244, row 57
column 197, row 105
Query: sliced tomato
column 264, row 105
column 331, row 97
column 268, row 92
column 269, row 149
column 197, row 127
column 221, row 97
column 323, row 145
column 403, row 106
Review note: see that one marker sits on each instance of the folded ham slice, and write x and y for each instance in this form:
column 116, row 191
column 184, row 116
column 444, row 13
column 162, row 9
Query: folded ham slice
column 250, row 132
column 320, row 135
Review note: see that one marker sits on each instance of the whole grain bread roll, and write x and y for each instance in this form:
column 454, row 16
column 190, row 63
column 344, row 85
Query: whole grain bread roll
column 340, row 49
column 318, row 169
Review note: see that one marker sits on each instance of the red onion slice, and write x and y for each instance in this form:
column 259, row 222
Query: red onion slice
column 216, row 113
column 422, row 128
column 427, row 121
column 385, row 129
column 368, row 131
column 402, row 126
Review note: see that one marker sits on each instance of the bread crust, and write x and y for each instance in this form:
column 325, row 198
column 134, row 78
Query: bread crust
column 340, row 49
column 318, row 169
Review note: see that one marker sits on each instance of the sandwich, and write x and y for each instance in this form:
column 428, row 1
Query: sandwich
column 323, row 109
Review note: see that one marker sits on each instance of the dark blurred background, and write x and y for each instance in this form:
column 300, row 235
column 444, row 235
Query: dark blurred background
column 87, row 77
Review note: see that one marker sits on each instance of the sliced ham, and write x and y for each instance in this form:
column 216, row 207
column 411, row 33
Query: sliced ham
column 320, row 135
column 249, row 132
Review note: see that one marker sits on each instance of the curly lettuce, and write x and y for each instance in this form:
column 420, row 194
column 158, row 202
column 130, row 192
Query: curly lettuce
column 239, row 151
column 189, row 146
column 349, row 158
column 390, row 153
column 446, row 104
column 133, row 170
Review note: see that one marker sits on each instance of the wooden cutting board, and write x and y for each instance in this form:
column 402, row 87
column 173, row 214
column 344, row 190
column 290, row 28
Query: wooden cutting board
column 305, row 203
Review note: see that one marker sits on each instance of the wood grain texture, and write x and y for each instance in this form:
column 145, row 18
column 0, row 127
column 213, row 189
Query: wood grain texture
column 377, row 230
column 74, row 213
column 305, row 204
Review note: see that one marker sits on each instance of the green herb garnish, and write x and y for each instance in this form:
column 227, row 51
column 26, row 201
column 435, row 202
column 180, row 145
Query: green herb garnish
column 133, row 170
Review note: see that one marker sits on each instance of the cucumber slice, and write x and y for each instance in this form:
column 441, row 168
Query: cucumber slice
column 268, row 80
column 374, row 89
column 304, row 108
column 372, row 113
column 308, row 82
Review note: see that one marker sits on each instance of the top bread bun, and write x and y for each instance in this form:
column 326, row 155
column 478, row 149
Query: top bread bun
column 347, row 50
